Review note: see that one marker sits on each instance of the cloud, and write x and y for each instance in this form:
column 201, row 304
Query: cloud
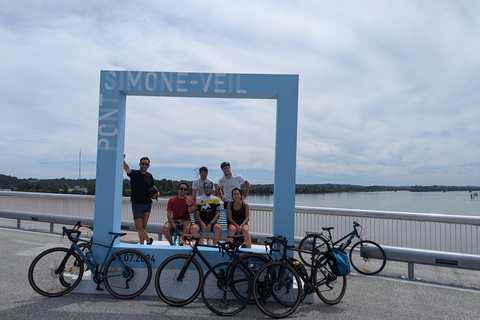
column 388, row 91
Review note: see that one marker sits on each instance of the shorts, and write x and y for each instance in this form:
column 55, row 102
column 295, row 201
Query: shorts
column 186, row 223
column 139, row 209
column 206, row 224
column 239, row 222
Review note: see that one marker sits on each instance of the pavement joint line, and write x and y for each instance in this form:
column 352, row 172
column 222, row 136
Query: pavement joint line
column 416, row 282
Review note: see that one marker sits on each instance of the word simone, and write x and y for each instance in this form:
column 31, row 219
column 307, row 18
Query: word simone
column 175, row 82
column 159, row 83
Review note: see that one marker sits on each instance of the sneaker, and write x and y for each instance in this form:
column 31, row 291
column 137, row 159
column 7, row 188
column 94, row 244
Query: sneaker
column 210, row 242
column 151, row 241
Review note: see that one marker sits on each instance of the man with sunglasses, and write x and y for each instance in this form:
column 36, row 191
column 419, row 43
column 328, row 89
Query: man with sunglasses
column 207, row 212
column 179, row 209
column 140, row 183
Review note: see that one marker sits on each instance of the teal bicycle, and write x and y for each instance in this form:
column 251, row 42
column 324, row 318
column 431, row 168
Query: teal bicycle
column 366, row 257
column 57, row 271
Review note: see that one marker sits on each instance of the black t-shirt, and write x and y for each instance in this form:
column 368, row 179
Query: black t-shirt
column 140, row 183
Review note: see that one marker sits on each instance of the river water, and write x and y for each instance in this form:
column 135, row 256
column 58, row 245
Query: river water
column 454, row 202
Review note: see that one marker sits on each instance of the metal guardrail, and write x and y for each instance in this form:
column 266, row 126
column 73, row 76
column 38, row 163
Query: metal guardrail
column 411, row 256
column 438, row 232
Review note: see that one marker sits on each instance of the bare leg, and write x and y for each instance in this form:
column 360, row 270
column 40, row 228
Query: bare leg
column 218, row 232
column 194, row 230
column 166, row 232
column 142, row 234
column 231, row 231
column 246, row 233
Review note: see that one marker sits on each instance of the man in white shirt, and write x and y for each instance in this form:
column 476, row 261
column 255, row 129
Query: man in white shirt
column 229, row 182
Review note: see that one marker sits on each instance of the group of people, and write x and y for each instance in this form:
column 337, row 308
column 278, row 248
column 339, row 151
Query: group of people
column 204, row 203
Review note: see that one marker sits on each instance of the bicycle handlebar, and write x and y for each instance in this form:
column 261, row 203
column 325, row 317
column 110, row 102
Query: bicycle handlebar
column 273, row 240
column 75, row 231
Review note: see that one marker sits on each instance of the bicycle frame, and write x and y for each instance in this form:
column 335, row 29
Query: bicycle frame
column 332, row 245
column 303, row 274
column 191, row 256
column 94, row 269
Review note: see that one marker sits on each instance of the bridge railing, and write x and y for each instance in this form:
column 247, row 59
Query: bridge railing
column 451, row 233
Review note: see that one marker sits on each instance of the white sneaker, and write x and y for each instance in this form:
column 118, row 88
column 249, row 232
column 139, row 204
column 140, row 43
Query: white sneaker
column 210, row 242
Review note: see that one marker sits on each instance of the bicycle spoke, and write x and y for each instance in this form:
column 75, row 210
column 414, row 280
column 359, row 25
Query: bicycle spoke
column 285, row 291
column 173, row 290
column 46, row 278
column 128, row 274
column 217, row 288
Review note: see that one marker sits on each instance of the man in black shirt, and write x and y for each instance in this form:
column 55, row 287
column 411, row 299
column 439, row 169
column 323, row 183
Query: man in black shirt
column 140, row 183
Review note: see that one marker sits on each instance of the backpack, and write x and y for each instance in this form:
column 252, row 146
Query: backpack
column 338, row 261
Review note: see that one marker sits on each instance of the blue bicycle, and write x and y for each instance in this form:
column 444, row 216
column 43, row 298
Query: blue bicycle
column 57, row 271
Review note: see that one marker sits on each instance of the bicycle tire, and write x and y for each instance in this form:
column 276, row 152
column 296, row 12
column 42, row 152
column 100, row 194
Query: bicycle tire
column 129, row 282
column 284, row 299
column 172, row 291
column 254, row 261
column 217, row 289
column 333, row 287
column 367, row 257
column 46, row 281
column 306, row 247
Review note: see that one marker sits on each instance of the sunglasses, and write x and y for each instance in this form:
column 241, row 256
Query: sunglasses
column 184, row 189
column 144, row 164
column 208, row 188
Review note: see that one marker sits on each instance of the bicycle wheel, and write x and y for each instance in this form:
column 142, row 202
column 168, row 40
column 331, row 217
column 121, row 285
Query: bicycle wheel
column 254, row 261
column 217, row 288
column 330, row 287
column 367, row 257
column 127, row 274
column 286, row 292
column 174, row 291
column 306, row 248
column 46, row 278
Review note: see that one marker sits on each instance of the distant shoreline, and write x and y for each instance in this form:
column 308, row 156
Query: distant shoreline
column 168, row 187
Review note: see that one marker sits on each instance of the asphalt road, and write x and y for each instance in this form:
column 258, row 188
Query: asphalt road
column 443, row 293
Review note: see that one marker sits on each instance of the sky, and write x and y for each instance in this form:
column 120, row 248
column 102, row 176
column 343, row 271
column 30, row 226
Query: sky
column 388, row 90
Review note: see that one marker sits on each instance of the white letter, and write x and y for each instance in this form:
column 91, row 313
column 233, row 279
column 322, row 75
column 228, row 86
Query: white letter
column 147, row 84
column 111, row 80
column 205, row 85
column 179, row 81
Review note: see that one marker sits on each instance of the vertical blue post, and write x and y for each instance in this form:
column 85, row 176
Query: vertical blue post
column 285, row 158
column 110, row 147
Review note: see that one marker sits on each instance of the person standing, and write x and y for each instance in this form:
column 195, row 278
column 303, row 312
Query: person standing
column 140, row 183
column 229, row 182
column 179, row 209
column 197, row 185
column 207, row 213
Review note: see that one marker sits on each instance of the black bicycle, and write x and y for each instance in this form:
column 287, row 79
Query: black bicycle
column 286, row 282
column 57, row 271
column 227, row 286
column 366, row 257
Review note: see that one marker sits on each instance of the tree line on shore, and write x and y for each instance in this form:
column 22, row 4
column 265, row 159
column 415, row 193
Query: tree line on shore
column 169, row 187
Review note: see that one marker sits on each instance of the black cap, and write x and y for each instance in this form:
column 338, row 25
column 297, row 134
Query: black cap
column 224, row 164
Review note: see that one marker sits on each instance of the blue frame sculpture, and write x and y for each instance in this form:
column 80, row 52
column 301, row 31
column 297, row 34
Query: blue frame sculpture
column 115, row 86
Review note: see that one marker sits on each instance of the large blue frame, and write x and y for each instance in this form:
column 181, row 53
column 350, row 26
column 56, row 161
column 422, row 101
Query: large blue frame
column 115, row 86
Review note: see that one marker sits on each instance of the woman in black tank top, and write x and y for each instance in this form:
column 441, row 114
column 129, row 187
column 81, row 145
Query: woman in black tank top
column 238, row 217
